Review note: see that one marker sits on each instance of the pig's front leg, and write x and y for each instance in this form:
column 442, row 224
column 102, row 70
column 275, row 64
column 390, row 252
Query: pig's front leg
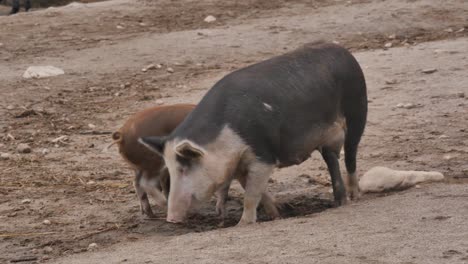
column 145, row 206
column 222, row 196
column 256, row 183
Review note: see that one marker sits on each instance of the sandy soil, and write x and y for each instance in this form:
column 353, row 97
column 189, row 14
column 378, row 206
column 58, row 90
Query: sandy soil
column 86, row 193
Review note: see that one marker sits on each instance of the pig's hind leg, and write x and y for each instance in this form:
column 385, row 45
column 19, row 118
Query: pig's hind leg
column 142, row 195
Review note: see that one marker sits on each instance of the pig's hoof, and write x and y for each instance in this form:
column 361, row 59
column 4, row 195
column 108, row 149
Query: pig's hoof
column 245, row 222
column 341, row 202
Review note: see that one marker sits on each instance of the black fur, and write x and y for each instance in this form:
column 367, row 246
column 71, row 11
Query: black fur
column 307, row 89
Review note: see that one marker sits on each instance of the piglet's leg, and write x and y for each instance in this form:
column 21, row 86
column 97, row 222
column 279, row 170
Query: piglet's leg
column 256, row 183
column 142, row 195
column 150, row 184
column 222, row 196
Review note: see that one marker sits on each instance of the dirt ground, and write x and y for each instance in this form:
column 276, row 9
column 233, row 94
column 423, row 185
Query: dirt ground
column 84, row 193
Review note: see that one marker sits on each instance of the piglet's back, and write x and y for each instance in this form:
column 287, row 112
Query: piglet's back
column 154, row 121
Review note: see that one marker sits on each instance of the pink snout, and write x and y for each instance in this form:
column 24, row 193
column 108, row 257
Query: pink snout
column 178, row 209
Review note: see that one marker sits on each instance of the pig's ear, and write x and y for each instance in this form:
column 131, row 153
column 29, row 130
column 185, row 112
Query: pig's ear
column 155, row 144
column 189, row 150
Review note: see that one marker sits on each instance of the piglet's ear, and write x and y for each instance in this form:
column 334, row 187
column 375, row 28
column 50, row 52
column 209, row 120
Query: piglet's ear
column 155, row 144
column 189, row 150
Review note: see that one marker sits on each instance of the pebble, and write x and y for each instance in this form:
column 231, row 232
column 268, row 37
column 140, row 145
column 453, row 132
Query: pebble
column 443, row 136
column 392, row 81
column 159, row 102
column 392, row 36
column 210, row 19
column 26, row 201
column 45, row 151
column 46, row 222
column 23, row 148
column 92, row 126
column 429, row 71
column 119, row 27
column 5, row 156
column 406, row 106
column 48, row 249
column 388, row 45
column 92, row 246
column 91, row 182
column 170, row 70
column 447, row 157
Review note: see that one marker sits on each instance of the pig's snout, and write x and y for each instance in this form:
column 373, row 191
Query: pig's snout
column 178, row 209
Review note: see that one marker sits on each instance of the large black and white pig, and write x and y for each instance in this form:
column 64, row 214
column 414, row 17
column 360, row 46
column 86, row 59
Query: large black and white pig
column 271, row 114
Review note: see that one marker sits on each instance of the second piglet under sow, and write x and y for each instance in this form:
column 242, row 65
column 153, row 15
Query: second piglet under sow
column 151, row 176
column 271, row 114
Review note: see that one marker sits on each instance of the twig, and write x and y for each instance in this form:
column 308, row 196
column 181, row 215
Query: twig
column 26, row 234
column 93, row 132
column 97, row 232
column 24, row 259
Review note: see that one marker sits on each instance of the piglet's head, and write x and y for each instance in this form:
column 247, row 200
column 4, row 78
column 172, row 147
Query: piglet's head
column 193, row 173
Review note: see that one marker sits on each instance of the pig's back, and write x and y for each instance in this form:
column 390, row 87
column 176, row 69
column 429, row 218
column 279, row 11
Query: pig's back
column 155, row 121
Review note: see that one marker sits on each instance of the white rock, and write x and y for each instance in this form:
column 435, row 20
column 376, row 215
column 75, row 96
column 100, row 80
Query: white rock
column 48, row 249
column 379, row 179
column 91, row 182
column 92, row 246
column 119, row 27
column 26, row 201
column 170, row 70
column 388, row 45
column 46, row 222
column 23, row 148
column 443, row 136
column 210, row 19
column 59, row 139
column 159, row 102
column 429, row 71
column 92, row 126
column 42, row 72
column 5, row 156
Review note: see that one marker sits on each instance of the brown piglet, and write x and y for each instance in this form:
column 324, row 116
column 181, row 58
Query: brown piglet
column 151, row 174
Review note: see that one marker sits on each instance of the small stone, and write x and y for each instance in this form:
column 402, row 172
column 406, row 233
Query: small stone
column 45, row 151
column 5, row 156
column 142, row 24
column 392, row 36
column 91, row 182
column 151, row 67
column 10, row 107
column 120, row 27
column 429, row 71
column 92, row 126
column 443, row 136
column 23, row 148
column 210, row 19
column 170, row 70
column 26, row 201
column 447, row 157
column 46, row 222
column 388, row 45
column 392, row 81
column 48, row 249
column 12, row 214
column 407, row 105
column 417, row 186
column 159, row 102
column 92, row 246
